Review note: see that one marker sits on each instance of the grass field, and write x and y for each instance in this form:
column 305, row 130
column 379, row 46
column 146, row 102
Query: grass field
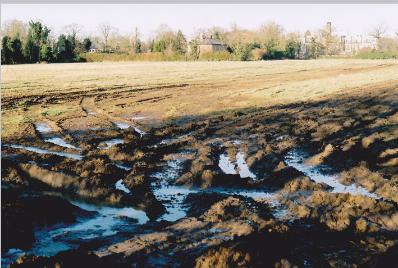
column 166, row 90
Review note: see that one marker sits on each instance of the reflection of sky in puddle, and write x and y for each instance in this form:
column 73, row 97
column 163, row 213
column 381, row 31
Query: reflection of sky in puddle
column 226, row 165
column 120, row 186
column 247, row 193
column 172, row 196
column 125, row 126
column 296, row 158
column 43, row 128
column 121, row 125
column 109, row 221
column 230, row 168
column 110, row 143
column 44, row 151
column 60, row 142
column 139, row 131
column 244, row 171
column 123, row 166
column 172, row 140
column 10, row 256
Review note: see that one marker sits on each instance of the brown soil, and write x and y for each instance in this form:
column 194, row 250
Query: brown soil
column 352, row 130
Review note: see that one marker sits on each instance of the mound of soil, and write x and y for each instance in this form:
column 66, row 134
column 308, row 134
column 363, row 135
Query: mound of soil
column 22, row 213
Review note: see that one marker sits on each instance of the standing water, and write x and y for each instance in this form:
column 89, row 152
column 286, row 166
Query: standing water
column 296, row 158
column 231, row 168
column 120, row 186
column 44, row 151
column 45, row 129
column 109, row 221
column 171, row 196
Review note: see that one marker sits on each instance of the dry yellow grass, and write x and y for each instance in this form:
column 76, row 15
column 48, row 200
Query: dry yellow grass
column 164, row 90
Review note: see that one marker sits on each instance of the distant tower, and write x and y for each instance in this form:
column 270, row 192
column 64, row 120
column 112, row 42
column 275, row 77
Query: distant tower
column 329, row 27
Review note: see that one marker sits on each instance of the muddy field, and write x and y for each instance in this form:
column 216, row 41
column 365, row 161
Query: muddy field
column 197, row 164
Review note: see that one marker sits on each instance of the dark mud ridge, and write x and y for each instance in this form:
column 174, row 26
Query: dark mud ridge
column 246, row 189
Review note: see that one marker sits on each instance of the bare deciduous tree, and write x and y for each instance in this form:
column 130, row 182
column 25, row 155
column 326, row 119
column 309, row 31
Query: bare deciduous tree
column 378, row 31
column 105, row 29
column 14, row 28
column 73, row 29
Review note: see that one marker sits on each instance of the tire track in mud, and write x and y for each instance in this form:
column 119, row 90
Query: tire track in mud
column 9, row 102
column 90, row 105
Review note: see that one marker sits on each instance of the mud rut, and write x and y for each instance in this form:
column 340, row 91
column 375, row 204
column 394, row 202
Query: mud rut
column 142, row 186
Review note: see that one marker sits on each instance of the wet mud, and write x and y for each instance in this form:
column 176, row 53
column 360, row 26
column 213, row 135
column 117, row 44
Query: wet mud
column 301, row 185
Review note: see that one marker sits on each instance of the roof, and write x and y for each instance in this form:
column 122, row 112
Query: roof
column 209, row 41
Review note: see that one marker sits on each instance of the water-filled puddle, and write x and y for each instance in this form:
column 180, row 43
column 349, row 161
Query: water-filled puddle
column 173, row 140
column 109, row 221
column 43, row 128
column 171, row 196
column 226, row 165
column 240, row 166
column 139, row 131
column 244, row 171
column 10, row 256
column 44, row 151
column 121, row 125
column 247, row 193
column 61, row 142
column 120, row 186
column 123, row 166
column 110, row 143
column 296, row 158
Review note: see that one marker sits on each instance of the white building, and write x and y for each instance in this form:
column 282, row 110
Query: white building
column 352, row 44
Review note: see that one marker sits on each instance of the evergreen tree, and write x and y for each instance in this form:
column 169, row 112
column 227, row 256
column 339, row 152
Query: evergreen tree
column 137, row 46
column 180, row 43
column 16, row 46
column 87, row 44
column 46, row 53
column 31, row 51
column 36, row 41
column 6, row 50
column 291, row 49
column 64, row 49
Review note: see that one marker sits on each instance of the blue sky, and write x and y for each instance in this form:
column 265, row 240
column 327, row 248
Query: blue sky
column 351, row 19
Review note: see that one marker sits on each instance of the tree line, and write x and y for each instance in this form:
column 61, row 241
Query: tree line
column 34, row 42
